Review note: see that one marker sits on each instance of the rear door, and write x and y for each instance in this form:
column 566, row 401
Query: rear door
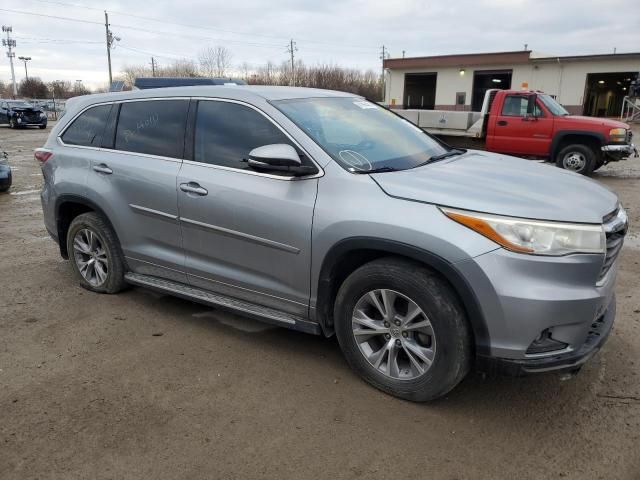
column 134, row 181
column 516, row 132
column 246, row 234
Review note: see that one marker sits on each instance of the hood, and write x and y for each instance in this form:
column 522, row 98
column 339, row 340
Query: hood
column 503, row 185
column 26, row 109
column 592, row 121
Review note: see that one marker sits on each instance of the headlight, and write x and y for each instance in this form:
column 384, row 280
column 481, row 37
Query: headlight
column 42, row 115
column 617, row 134
column 533, row 236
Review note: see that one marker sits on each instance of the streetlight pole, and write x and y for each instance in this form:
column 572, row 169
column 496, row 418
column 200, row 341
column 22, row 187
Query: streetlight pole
column 25, row 60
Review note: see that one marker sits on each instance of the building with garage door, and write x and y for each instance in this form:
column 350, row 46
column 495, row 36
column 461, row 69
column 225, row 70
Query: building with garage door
column 593, row 85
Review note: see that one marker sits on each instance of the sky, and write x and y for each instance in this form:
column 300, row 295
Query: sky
column 348, row 33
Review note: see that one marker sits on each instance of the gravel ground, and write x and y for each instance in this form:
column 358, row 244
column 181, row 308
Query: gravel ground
column 139, row 385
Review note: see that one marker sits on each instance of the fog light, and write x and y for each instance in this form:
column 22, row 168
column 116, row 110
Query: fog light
column 19, row 120
column 544, row 343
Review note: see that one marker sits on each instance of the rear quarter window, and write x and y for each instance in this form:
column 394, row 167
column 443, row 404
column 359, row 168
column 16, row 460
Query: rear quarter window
column 155, row 127
column 86, row 130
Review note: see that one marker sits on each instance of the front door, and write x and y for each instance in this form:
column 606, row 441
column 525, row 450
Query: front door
column 246, row 234
column 518, row 133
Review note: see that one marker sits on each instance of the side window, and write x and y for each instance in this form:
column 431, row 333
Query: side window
column 153, row 127
column 516, row 106
column 226, row 132
column 86, row 130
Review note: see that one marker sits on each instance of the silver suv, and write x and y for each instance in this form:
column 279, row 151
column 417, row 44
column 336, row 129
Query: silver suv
column 322, row 212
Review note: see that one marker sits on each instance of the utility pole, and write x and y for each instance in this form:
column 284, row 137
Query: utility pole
column 25, row 60
column 383, row 55
column 291, row 48
column 110, row 40
column 10, row 43
column 153, row 66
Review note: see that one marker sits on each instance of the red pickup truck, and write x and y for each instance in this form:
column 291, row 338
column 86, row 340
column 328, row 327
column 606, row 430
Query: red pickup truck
column 531, row 124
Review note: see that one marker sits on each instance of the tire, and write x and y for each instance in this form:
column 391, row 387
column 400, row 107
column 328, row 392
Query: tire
column 42, row 127
column 104, row 250
column 577, row 158
column 449, row 341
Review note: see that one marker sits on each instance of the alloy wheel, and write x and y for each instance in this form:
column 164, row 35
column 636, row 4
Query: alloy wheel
column 394, row 334
column 91, row 257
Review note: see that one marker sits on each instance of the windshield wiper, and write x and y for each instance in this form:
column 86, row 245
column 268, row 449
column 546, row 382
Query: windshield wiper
column 451, row 153
column 375, row 170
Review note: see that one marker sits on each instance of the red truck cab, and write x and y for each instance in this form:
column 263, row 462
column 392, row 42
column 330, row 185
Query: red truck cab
column 533, row 124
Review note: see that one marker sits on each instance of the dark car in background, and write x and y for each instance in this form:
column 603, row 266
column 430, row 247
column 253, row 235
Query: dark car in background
column 18, row 113
column 5, row 172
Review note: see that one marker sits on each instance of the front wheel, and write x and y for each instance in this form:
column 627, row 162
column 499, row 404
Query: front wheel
column 42, row 127
column 402, row 329
column 95, row 254
column 577, row 158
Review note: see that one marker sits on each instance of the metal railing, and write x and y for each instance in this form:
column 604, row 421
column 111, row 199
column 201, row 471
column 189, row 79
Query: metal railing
column 630, row 109
column 53, row 107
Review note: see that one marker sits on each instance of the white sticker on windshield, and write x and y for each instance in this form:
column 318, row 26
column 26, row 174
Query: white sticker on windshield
column 365, row 105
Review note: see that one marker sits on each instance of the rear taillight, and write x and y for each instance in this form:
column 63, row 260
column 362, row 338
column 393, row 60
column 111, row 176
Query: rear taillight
column 42, row 155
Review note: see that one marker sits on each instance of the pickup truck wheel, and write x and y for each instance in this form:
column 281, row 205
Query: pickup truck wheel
column 402, row 329
column 577, row 158
column 95, row 254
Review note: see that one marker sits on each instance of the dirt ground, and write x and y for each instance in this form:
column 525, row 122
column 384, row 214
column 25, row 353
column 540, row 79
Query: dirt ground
column 139, row 385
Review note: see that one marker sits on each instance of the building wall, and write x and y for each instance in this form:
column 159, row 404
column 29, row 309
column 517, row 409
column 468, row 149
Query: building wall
column 566, row 80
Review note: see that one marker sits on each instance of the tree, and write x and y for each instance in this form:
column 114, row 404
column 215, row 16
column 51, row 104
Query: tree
column 32, row 88
column 215, row 61
column 60, row 88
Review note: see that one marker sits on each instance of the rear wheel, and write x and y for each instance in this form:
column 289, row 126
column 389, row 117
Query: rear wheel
column 577, row 158
column 95, row 254
column 402, row 329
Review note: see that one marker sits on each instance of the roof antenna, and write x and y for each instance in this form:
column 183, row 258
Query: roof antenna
column 525, row 46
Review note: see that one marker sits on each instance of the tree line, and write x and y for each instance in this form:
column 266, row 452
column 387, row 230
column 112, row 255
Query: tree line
column 34, row 87
column 217, row 62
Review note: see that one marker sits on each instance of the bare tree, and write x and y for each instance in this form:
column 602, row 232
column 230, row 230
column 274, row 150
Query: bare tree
column 215, row 61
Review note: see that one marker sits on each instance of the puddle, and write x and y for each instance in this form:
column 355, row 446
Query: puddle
column 239, row 323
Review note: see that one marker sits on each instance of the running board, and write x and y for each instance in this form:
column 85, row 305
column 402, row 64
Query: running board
column 258, row 312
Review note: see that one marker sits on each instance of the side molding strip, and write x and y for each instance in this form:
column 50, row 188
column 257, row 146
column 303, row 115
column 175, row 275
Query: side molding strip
column 153, row 212
column 244, row 236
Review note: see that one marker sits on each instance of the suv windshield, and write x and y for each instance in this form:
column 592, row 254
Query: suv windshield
column 554, row 107
column 361, row 136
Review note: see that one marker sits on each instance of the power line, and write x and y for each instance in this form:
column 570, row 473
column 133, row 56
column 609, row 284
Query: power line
column 187, row 25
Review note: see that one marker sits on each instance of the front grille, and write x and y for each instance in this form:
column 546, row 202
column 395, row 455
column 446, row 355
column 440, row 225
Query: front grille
column 615, row 227
column 32, row 117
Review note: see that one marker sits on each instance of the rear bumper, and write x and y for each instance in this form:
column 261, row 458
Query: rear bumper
column 564, row 362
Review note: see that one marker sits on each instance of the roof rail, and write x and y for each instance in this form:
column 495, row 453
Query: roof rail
column 143, row 83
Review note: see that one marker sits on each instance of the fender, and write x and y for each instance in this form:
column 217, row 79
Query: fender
column 60, row 225
column 340, row 251
column 560, row 134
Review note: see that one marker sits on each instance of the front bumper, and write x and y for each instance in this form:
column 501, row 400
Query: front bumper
column 621, row 151
column 563, row 362
column 522, row 296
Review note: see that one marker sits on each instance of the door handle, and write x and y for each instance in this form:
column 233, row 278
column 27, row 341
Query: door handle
column 193, row 187
column 102, row 168
column 502, row 123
